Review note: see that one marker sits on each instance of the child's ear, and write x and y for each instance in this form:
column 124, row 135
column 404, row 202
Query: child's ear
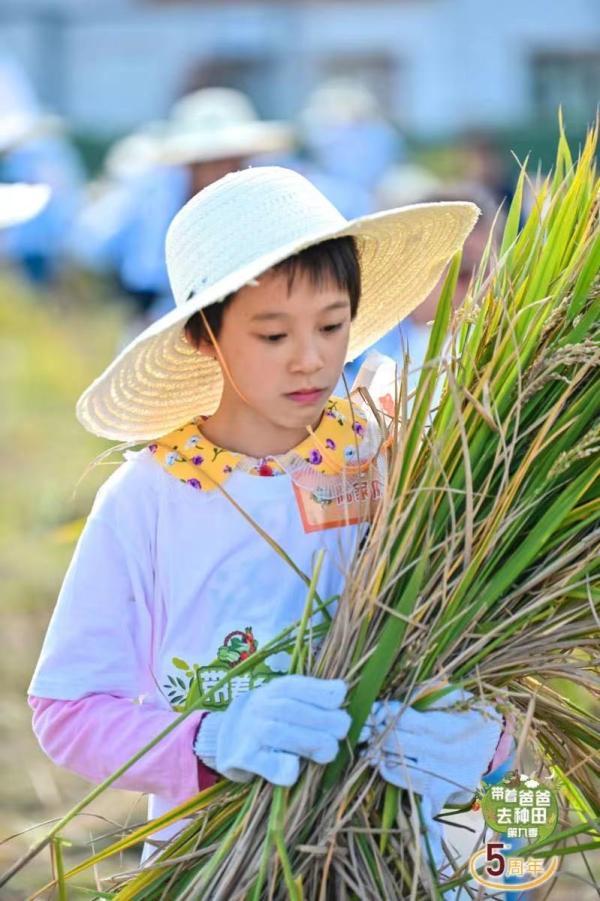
column 207, row 348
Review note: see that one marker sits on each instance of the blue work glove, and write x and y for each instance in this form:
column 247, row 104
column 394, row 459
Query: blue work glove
column 437, row 753
column 265, row 731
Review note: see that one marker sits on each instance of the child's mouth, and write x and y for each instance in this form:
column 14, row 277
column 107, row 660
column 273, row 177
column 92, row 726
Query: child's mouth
column 306, row 397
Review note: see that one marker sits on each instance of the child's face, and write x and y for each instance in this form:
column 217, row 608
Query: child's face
column 277, row 343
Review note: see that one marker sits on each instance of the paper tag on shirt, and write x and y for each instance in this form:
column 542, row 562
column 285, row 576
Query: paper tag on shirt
column 355, row 502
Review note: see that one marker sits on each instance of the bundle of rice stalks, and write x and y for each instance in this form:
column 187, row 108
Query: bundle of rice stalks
column 480, row 570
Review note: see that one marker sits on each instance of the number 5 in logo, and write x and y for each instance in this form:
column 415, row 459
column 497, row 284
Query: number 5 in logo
column 494, row 856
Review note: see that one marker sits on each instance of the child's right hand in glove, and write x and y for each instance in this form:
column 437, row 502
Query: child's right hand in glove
column 266, row 730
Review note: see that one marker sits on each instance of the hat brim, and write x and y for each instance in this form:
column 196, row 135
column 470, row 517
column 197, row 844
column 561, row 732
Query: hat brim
column 20, row 129
column 235, row 142
column 21, row 202
column 160, row 381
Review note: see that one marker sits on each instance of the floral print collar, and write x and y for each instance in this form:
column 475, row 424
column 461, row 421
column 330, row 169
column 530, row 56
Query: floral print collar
column 332, row 448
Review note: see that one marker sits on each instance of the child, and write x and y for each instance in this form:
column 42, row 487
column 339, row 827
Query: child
column 170, row 583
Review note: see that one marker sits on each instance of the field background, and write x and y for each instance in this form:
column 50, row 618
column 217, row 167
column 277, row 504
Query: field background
column 50, row 350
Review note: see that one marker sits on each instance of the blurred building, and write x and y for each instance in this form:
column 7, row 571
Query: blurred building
column 440, row 66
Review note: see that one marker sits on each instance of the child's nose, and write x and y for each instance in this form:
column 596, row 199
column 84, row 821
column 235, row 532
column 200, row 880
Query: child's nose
column 307, row 357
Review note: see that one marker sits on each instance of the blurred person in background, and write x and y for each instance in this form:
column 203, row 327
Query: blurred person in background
column 345, row 144
column 209, row 133
column 412, row 335
column 34, row 149
column 109, row 236
column 407, row 181
column 349, row 138
column 482, row 162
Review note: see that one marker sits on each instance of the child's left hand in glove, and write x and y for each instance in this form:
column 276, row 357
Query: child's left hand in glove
column 438, row 752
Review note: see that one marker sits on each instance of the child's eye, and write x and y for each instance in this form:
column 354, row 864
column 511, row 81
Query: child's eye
column 272, row 339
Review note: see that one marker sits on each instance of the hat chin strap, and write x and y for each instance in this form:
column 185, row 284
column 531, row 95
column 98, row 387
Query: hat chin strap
column 221, row 359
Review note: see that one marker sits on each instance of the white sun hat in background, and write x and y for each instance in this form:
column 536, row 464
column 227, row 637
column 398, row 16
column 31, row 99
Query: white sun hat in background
column 19, row 128
column 219, row 123
column 406, row 183
column 338, row 100
column 227, row 235
column 135, row 153
column 20, row 202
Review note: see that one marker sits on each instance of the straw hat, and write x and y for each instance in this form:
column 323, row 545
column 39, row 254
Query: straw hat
column 217, row 123
column 19, row 202
column 230, row 233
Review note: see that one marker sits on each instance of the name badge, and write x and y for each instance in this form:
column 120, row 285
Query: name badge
column 355, row 501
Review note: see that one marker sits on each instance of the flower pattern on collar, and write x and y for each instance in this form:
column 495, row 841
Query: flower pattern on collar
column 333, row 447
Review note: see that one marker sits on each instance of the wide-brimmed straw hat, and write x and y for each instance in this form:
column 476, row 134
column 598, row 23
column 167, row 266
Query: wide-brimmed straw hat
column 227, row 235
column 219, row 123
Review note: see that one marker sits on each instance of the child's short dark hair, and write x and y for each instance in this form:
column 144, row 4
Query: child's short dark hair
column 336, row 259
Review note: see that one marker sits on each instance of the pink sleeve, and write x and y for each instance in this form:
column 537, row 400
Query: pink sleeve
column 95, row 735
column 505, row 744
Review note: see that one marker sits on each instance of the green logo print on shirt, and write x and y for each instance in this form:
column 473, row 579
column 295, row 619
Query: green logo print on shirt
column 192, row 682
